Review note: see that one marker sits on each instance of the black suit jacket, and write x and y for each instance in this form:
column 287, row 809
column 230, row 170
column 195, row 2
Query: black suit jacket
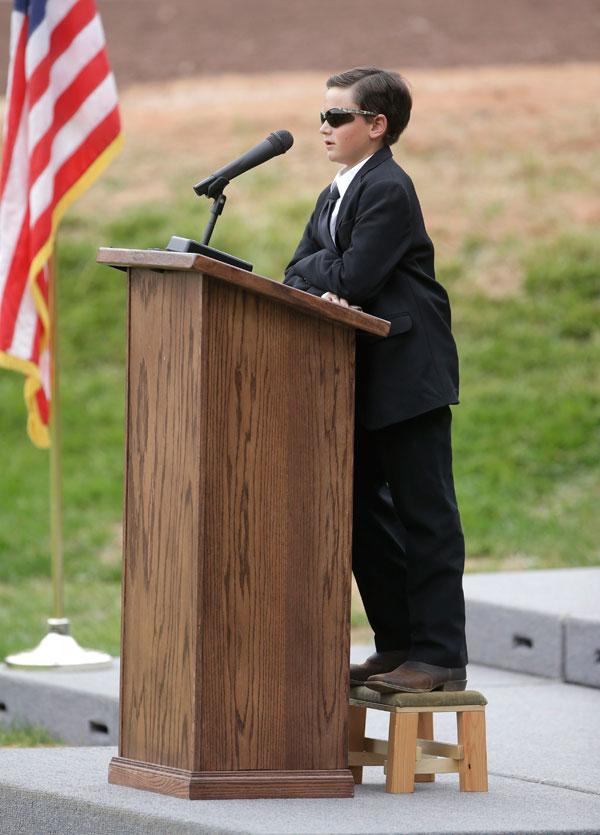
column 382, row 259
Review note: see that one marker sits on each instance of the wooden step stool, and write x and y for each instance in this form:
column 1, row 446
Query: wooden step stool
column 411, row 755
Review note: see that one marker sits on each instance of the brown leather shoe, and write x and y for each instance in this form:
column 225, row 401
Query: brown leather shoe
column 379, row 662
column 418, row 677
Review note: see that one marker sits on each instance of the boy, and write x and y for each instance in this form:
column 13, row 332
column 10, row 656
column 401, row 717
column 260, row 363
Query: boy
column 366, row 245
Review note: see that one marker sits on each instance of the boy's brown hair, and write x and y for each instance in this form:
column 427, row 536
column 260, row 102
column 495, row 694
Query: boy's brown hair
column 381, row 91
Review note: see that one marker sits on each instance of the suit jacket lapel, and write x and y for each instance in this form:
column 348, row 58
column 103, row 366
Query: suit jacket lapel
column 378, row 157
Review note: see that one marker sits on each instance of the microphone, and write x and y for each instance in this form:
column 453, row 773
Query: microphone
column 276, row 143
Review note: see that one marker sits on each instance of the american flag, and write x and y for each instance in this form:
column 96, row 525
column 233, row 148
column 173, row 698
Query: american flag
column 61, row 128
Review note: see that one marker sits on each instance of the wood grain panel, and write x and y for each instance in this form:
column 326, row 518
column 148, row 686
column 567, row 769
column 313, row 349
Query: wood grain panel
column 267, row 287
column 425, row 731
column 163, row 501
column 237, row 543
column 229, row 785
column 472, row 768
column 357, row 717
column 275, row 586
column 402, row 747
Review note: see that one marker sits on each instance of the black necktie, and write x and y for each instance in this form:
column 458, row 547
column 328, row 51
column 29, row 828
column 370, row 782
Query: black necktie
column 324, row 221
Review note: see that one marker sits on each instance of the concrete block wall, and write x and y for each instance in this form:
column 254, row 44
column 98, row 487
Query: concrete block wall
column 542, row 622
column 582, row 651
column 515, row 639
column 74, row 715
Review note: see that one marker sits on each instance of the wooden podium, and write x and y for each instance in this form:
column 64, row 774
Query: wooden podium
column 237, row 532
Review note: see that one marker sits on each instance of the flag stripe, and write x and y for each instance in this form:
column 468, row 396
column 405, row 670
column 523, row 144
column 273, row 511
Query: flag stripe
column 26, row 321
column 96, row 107
column 66, row 177
column 36, row 9
column 65, row 107
column 61, row 128
column 19, row 320
column 38, row 42
column 59, row 42
column 14, row 203
column 15, row 102
column 69, row 172
column 63, row 73
column 15, row 286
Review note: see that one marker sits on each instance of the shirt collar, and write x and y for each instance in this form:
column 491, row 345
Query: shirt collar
column 342, row 181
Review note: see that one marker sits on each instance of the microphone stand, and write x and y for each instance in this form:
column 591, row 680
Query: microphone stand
column 215, row 210
column 177, row 244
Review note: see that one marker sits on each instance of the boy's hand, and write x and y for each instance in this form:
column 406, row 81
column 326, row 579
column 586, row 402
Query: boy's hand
column 331, row 297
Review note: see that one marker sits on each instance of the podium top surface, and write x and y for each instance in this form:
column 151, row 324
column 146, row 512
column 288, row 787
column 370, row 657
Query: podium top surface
column 156, row 259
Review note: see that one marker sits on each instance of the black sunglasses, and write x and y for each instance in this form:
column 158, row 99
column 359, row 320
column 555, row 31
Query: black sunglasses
column 337, row 116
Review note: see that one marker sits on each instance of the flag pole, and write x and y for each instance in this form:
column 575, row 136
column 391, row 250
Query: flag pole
column 56, row 540
column 57, row 650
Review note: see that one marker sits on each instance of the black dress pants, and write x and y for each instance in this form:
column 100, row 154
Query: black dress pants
column 408, row 548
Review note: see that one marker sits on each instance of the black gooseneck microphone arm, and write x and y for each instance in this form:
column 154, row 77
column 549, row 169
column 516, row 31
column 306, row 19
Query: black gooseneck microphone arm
column 216, row 209
column 276, row 143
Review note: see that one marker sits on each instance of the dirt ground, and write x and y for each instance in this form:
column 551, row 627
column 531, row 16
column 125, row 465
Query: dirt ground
column 151, row 40
column 502, row 144
column 499, row 157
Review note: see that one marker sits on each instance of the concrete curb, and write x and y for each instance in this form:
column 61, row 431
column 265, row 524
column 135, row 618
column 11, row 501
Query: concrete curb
column 64, row 792
column 77, row 708
column 546, row 623
column 540, row 779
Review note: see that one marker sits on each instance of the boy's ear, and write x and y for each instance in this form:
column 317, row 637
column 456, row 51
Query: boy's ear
column 379, row 126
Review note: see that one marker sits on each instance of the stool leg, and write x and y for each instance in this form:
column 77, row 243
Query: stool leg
column 472, row 769
column 425, row 731
column 356, row 726
column 402, row 751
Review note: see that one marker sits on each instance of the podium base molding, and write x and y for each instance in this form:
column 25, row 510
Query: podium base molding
column 224, row 785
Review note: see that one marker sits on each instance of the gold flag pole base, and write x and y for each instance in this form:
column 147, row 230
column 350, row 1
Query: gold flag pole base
column 59, row 651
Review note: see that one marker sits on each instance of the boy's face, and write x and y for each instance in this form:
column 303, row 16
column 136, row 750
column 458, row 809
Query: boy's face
column 350, row 143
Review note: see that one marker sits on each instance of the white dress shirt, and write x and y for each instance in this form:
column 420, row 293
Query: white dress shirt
column 342, row 181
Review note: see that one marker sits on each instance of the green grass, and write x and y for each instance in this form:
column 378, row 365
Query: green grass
column 92, row 604
column 527, row 443
column 526, row 433
column 26, row 736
